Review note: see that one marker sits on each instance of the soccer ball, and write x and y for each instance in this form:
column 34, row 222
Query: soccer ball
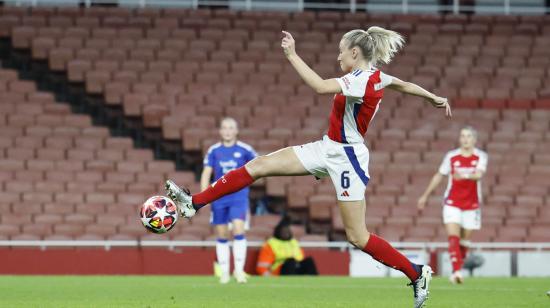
column 159, row 214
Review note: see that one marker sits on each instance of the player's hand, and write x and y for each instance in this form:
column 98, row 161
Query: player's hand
column 421, row 204
column 459, row 176
column 442, row 102
column 288, row 44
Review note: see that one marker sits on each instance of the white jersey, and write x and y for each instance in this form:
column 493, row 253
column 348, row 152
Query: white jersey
column 354, row 108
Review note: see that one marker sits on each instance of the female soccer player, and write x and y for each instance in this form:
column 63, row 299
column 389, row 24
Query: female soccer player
column 222, row 157
column 464, row 167
column 342, row 154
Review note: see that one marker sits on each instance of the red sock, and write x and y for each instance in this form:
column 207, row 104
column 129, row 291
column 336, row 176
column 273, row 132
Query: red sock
column 463, row 252
column 454, row 252
column 233, row 181
column 384, row 253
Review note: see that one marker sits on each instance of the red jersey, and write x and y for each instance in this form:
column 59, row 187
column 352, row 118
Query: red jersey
column 354, row 108
column 464, row 194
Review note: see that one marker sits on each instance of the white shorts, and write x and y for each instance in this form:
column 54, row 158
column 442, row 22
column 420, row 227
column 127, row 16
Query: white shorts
column 470, row 219
column 346, row 164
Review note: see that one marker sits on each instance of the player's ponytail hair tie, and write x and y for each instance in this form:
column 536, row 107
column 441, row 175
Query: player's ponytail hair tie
column 378, row 45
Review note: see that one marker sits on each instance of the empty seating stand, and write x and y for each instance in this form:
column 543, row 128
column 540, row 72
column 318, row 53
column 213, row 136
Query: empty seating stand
column 182, row 70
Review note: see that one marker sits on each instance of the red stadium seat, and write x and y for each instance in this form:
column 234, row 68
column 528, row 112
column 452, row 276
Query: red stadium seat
column 141, row 59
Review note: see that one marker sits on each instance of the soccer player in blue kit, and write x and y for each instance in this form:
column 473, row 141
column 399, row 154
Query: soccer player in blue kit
column 222, row 157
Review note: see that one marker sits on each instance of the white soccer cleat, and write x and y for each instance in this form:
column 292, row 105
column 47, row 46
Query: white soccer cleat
column 456, row 278
column 224, row 278
column 181, row 197
column 240, row 276
column 421, row 286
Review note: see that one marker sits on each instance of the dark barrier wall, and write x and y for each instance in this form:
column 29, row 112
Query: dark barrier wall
column 132, row 261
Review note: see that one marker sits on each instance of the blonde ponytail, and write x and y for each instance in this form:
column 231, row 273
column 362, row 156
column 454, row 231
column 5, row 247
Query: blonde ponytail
column 377, row 44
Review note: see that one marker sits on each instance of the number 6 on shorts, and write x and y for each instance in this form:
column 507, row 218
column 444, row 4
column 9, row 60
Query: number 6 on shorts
column 344, row 180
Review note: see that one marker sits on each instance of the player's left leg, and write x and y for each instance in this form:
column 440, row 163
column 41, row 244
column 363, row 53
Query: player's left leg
column 353, row 216
column 348, row 169
column 239, row 250
column 471, row 221
column 465, row 236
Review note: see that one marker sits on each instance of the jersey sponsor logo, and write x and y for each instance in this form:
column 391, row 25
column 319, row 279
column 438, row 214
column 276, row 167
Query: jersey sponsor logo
column 344, row 194
column 228, row 165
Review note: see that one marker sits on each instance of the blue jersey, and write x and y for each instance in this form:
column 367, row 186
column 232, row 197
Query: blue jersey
column 224, row 159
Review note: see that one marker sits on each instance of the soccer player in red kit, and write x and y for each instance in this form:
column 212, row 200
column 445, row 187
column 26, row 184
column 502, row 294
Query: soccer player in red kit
column 464, row 167
column 342, row 154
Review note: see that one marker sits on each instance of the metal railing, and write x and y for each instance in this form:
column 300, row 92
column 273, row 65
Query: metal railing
column 505, row 7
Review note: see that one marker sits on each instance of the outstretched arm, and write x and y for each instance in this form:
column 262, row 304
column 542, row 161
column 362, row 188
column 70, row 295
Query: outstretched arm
column 206, row 175
column 320, row 85
column 416, row 90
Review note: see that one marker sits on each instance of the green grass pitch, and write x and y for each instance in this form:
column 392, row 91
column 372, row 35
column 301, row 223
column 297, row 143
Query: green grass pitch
column 192, row 291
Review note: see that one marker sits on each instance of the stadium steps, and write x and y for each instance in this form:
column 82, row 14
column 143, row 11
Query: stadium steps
column 120, row 125
column 95, row 106
column 63, row 178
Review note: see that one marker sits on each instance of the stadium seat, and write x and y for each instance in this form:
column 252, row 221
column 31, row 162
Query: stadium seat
column 140, row 60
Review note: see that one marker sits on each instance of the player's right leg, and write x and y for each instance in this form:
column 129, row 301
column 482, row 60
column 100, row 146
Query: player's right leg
column 465, row 235
column 471, row 221
column 281, row 162
column 452, row 218
column 353, row 216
